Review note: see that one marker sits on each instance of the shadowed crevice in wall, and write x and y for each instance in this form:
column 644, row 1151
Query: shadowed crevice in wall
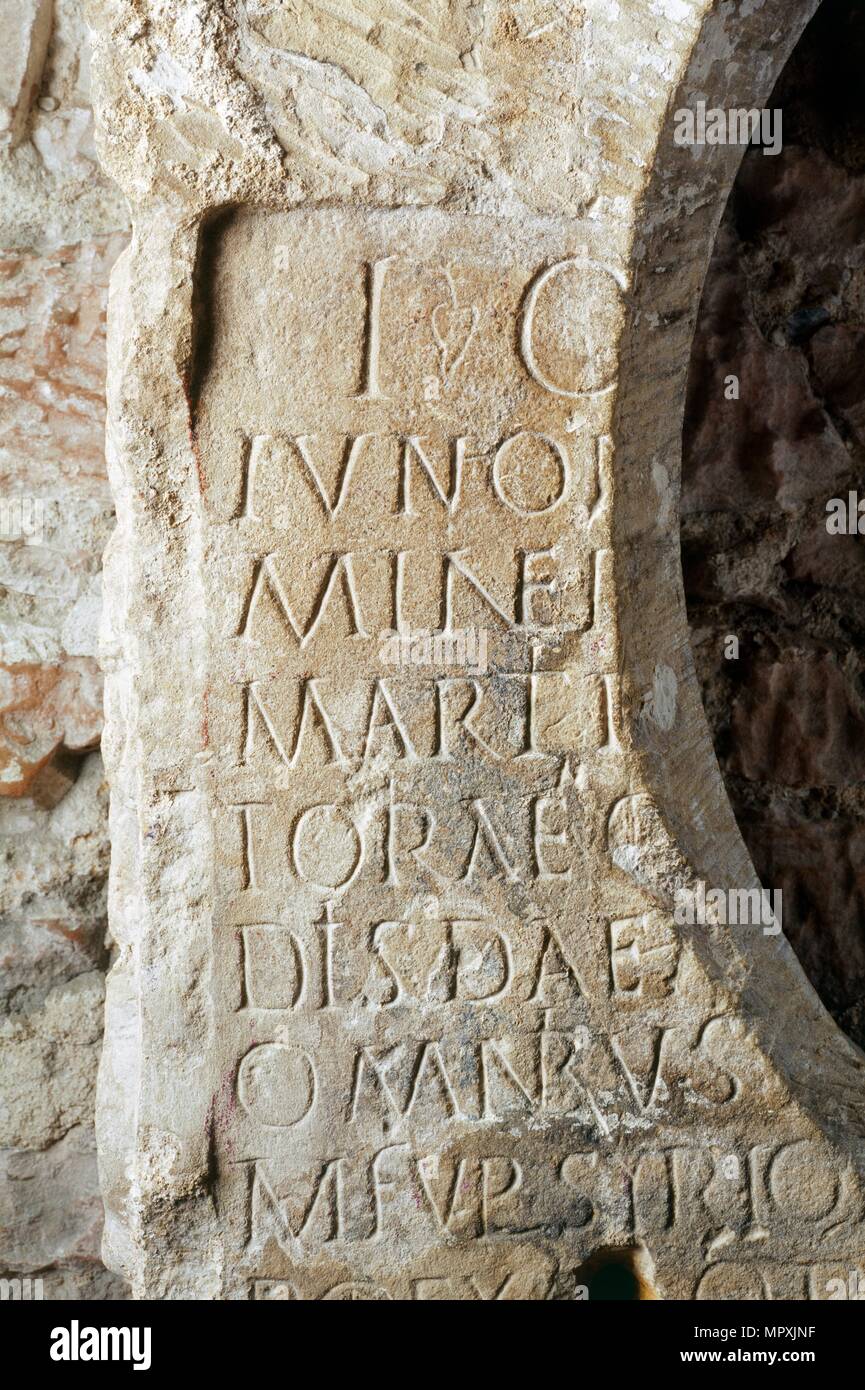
column 783, row 311
column 210, row 244
column 617, row 1274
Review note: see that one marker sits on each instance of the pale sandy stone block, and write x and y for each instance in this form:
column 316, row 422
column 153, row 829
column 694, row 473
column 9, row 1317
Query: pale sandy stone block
column 407, row 755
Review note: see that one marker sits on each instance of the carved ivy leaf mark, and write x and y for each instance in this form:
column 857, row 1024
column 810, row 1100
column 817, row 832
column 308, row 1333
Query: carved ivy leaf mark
column 453, row 327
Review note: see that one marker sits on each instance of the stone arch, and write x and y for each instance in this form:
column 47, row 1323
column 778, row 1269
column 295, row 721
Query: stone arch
column 735, row 61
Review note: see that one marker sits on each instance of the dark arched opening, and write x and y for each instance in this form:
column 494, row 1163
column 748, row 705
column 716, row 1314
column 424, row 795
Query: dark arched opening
column 617, row 1274
column 775, row 429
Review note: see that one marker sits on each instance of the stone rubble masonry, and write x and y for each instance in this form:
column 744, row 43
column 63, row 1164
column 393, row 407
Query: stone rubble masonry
column 784, row 310
column 62, row 225
column 401, row 342
column 53, row 304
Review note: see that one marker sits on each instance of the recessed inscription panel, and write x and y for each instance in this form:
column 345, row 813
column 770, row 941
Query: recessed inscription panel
column 459, row 1055
column 406, row 475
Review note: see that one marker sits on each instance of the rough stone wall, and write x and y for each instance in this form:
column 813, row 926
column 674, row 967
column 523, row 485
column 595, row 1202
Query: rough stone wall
column 62, row 225
column 784, row 310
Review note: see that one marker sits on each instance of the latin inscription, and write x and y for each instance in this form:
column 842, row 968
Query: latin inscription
column 440, row 1017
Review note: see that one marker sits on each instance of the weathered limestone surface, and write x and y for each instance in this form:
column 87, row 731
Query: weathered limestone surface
column 399, row 347
column 61, row 227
